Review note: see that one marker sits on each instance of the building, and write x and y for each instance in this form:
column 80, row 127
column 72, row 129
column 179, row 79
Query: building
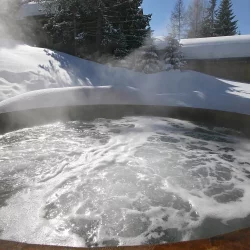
column 225, row 57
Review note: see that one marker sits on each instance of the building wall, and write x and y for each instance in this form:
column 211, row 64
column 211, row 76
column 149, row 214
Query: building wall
column 236, row 69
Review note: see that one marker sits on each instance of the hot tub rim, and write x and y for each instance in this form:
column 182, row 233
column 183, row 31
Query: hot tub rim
column 15, row 120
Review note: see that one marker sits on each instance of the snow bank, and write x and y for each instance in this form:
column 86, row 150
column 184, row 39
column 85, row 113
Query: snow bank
column 24, row 69
column 212, row 47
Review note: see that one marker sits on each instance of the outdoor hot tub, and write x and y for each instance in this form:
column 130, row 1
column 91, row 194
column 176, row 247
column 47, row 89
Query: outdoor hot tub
column 122, row 175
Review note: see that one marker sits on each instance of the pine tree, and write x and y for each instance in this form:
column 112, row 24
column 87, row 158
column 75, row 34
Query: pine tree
column 178, row 19
column 225, row 24
column 173, row 57
column 113, row 26
column 65, row 22
column 131, row 25
column 208, row 29
column 146, row 58
column 121, row 49
column 134, row 23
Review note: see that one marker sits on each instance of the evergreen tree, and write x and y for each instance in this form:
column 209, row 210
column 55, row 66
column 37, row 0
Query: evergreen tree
column 178, row 19
column 146, row 59
column 65, row 19
column 225, row 24
column 208, row 29
column 121, row 49
column 131, row 25
column 78, row 22
column 113, row 26
column 173, row 57
column 134, row 23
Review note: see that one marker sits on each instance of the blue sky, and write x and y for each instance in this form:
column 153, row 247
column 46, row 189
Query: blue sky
column 161, row 10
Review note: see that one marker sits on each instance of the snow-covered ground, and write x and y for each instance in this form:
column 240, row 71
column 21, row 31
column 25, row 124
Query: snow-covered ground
column 212, row 47
column 44, row 72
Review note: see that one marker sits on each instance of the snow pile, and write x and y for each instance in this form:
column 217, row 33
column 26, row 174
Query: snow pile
column 24, row 69
column 212, row 48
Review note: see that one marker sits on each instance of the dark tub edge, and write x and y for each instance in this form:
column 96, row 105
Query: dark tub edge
column 27, row 118
column 235, row 240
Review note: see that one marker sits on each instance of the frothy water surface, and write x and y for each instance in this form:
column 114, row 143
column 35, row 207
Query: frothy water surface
column 137, row 180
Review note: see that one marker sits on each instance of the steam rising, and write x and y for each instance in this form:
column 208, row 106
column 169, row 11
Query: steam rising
column 8, row 23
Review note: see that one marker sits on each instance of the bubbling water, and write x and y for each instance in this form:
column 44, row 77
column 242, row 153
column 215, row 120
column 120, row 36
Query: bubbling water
column 132, row 181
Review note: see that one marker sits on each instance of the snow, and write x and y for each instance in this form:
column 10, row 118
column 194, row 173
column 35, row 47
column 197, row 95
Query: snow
column 212, row 47
column 33, row 77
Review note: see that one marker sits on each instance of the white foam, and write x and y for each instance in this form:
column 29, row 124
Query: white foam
column 122, row 182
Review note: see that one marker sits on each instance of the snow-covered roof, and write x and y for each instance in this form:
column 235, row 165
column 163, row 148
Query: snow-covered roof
column 212, row 47
column 30, row 9
column 217, row 47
